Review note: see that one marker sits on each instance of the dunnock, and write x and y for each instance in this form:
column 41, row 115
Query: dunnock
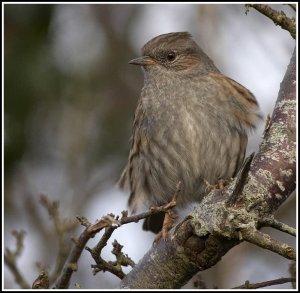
column 190, row 125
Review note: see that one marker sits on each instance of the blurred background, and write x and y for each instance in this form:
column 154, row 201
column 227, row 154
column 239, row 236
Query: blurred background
column 69, row 101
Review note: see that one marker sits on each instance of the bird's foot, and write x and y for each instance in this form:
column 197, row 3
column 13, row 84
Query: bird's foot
column 220, row 185
column 168, row 223
column 169, row 220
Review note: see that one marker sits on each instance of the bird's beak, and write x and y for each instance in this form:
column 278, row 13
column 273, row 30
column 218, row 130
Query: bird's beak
column 142, row 61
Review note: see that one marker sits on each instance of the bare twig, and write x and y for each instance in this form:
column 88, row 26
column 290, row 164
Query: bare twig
column 153, row 210
column 279, row 18
column 71, row 265
column 269, row 222
column 61, row 229
column 122, row 259
column 116, row 267
column 10, row 259
column 110, row 223
column 279, row 281
column 265, row 241
column 101, row 264
column 42, row 281
column 80, row 243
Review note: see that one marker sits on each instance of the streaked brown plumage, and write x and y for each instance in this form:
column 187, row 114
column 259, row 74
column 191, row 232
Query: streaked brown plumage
column 190, row 124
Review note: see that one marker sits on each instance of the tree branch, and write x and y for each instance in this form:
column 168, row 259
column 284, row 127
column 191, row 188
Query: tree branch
column 101, row 264
column 110, row 223
column 10, row 259
column 61, row 228
column 270, row 222
column 265, row 284
column 42, row 281
column 279, row 18
column 80, row 243
column 265, row 241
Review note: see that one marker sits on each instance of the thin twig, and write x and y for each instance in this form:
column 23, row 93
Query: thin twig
column 42, row 281
column 116, row 268
column 101, row 264
column 269, row 222
column 265, row 241
column 71, row 265
column 61, row 229
column 153, row 210
column 110, row 223
column 247, row 285
column 279, row 18
column 80, row 243
column 103, row 241
column 10, row 259
column 122, row 259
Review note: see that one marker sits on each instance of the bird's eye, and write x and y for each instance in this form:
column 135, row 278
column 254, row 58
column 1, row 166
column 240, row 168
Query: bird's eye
column 171, row 56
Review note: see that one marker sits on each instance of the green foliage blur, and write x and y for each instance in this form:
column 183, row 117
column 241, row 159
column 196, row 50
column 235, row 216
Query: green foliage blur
column 29, row 74
column 52, row 113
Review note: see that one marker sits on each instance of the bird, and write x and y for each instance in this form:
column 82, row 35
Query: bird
column 191, row 126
